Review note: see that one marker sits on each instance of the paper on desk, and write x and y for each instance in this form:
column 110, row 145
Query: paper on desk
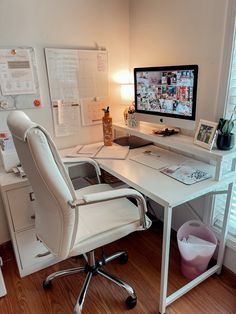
column 89, row 150
column 149, row 160
column 186, row 174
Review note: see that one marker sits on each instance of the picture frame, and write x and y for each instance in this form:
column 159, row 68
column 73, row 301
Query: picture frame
column 205, row 134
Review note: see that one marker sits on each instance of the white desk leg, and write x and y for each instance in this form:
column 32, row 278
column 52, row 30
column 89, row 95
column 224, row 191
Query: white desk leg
column 165, row 258
column 224, row 227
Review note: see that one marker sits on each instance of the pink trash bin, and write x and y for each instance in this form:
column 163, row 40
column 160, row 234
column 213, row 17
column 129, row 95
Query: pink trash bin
column 195, row 256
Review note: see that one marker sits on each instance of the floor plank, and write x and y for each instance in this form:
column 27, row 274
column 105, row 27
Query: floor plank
column 26, row 295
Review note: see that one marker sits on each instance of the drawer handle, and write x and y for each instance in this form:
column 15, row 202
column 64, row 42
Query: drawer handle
column 31, row 196
column 32, row 217
column 43, row 254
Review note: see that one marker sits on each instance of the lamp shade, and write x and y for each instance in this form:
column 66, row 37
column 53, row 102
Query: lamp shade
column 127, row 93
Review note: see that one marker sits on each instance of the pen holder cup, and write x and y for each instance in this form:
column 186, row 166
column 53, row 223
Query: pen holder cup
column 195, row 254
column 132, row 121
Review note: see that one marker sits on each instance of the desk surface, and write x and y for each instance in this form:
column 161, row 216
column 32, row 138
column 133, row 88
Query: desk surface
column 151, row 182
column 180, row 142
column 159, row 187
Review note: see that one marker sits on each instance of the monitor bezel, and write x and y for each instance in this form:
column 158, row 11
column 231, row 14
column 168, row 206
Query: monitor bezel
column 169, row 68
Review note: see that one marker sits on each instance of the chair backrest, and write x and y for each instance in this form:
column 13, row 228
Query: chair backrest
column 56, row 221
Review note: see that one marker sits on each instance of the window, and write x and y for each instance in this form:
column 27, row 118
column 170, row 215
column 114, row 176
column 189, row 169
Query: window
column 220, row 199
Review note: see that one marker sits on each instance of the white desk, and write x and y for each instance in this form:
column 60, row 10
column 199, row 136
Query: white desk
column 182, row 143
column 169, row 193
column 19, row 204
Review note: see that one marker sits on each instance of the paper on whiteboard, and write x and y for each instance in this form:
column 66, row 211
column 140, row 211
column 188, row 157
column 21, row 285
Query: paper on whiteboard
column 60, row 112
column 65, row 118
column 16, row 72
column 75, row 74
column 63, row 69
column 93, row 74
column 91, row 110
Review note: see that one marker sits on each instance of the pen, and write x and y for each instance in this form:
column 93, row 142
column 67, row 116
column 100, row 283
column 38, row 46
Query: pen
column 149, row 152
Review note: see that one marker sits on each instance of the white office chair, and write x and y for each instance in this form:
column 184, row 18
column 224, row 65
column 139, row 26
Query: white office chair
column 72, row 222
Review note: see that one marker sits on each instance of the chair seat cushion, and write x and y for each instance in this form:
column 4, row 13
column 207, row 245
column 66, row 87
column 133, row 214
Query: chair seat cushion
column 104, row 222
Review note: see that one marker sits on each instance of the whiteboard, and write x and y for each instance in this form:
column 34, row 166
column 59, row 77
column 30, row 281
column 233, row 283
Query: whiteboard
column 78, row 83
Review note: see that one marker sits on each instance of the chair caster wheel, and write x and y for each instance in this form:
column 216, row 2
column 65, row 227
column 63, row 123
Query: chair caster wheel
column 123, row 259
column 131, row 302
column 47, row 285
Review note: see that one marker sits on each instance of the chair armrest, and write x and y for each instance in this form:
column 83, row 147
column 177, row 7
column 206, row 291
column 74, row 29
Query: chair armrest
column 73, row 161
column 120, row 193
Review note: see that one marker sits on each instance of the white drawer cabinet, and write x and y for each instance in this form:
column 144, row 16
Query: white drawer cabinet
column 19, row 202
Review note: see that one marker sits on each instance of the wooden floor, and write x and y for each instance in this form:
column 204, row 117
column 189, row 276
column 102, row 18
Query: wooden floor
column 26, row 295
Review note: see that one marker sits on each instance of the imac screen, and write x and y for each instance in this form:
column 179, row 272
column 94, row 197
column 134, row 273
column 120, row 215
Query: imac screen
column 166, row 91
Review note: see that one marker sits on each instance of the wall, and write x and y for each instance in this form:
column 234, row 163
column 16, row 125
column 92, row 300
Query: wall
column 181, row 32
column 71, row 24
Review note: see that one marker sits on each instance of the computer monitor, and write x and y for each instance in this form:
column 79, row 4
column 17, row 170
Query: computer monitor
column 166, row 95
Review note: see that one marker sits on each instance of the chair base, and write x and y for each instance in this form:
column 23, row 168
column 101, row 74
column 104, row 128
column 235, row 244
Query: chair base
column 92, row 268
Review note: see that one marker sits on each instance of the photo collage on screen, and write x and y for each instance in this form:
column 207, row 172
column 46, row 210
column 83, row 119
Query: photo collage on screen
column 167, row 92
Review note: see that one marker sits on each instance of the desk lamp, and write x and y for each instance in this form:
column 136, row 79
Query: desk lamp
column 127, row 98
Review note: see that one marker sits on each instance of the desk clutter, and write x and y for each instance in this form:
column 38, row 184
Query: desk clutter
column 165, row 131
column 179, row 167
column 19, row 171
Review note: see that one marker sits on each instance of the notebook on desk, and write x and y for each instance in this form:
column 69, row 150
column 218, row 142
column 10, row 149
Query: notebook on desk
column 100, row 151
column 89, row 150
column 112, row 152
